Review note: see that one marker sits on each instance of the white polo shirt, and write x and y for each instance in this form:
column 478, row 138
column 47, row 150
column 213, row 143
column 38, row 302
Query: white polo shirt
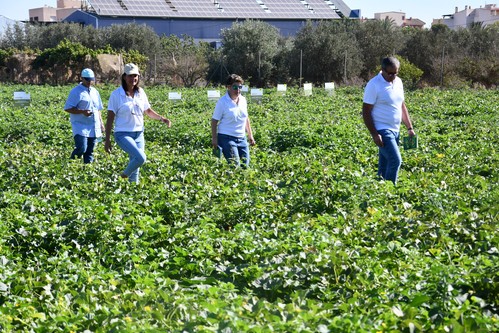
column 129, row 111
column 231, row 117
column 387, row 98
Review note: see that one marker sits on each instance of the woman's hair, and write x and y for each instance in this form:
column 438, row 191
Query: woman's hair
column 390, row 62
column 124, row 85
column 233, row 78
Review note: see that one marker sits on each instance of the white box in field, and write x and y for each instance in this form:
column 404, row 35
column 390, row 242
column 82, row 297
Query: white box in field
column 329, row 87
column 307, row 89
column 22, row 98
column 174, row 96
column 256, row 94
column 213, row 95
column 281, row 89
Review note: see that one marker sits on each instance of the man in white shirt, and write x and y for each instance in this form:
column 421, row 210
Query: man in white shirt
column 383, row 110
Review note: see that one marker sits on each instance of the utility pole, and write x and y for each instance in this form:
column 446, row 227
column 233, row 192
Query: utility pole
column 221, row 69
column 442, row 68
column 259, row 66
column 345, row 67
column 301, row 66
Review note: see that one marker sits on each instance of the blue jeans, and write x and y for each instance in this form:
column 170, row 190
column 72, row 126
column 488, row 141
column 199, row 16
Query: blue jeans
column 133, row 144
column 390, row 159
column 84, row 147
column 234, row 149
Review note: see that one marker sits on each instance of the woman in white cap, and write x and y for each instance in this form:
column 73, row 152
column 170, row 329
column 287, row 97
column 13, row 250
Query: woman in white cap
column 84, row 105
column 126, row 108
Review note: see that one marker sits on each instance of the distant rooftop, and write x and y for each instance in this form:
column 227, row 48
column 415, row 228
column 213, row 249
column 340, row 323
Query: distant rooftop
column 233, row 9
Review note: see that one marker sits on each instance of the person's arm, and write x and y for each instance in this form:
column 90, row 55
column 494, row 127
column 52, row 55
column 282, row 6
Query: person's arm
column 154, row 115
column 109, row 128
column 214, row 130
column 75, row 110
column 250, row 132
column 100, row 108
column 71, row 105
column 369, row 122
column 102, row 128
column 406, row 119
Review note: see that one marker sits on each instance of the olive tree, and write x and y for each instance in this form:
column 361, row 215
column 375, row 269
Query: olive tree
column 327, row 51
column 432, row 51
column 249, row 49
column 183, row 61
column 131, row 36
column 14, row 37
column 378, row 39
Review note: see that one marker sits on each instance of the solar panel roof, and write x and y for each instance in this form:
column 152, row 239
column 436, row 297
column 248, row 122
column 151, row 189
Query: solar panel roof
column 244, row 9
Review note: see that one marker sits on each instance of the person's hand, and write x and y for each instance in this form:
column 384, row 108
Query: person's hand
column 411, row 132
column 214, row 143
column 87, row 113
column 166, row 121
column 378, row 140
column 252, row 141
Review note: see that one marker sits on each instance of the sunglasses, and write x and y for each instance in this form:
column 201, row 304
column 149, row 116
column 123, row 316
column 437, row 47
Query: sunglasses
column 390, row 74
column 88, row 79
column 237, row 87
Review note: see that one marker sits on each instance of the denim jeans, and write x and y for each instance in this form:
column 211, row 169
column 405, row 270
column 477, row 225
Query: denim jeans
column 234, row 149
column 390, row 159
column 133, row 144
column 84, row 147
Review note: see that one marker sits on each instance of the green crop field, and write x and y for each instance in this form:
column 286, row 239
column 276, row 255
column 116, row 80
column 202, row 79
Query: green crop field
column 306, row 240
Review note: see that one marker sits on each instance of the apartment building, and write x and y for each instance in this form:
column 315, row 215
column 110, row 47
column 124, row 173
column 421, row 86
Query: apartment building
column 400, row 19
column 51, row 14
column 488, row 14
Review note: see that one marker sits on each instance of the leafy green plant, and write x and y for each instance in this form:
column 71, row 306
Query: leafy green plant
column 409, row 73
column 305, row 240
column 4, row 54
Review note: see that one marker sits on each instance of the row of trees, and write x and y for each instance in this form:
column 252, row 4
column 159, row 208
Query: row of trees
column 344, row 51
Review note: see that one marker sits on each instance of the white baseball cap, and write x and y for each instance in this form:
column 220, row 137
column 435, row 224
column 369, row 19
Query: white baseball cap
column 131, row 69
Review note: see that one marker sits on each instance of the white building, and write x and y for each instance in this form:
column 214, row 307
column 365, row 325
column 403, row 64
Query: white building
column 486, row 15
column 400, row 19
column 397, row 17
column 51, row 14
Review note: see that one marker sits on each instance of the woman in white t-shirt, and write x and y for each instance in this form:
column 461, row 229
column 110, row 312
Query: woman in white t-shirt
column 230, row 123
column 126, row 108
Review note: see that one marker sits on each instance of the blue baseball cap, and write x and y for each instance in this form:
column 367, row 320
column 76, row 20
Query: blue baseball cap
column 88, row 74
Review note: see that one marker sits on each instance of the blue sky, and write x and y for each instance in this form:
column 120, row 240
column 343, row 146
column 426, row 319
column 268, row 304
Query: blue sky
column 426, row 10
